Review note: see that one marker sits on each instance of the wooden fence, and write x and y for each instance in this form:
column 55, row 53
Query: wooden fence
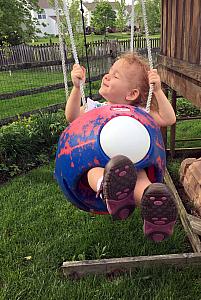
column 42, row 53
column 45, row 62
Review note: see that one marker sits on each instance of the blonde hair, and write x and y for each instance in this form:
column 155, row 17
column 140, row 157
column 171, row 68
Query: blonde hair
column 140, row 81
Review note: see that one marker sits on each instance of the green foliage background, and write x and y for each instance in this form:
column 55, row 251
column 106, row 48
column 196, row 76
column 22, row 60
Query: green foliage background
column 103, row 16
column 17, row 25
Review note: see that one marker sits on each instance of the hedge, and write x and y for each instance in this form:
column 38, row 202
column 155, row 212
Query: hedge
column 29, row 142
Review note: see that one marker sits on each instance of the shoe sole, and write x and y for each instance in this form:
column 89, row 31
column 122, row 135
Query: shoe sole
column 159, row 212
column 118, row 186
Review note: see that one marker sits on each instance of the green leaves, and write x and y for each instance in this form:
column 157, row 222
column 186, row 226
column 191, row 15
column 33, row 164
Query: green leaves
column 153, row 11
column 185, row 108
column 17, row 25
column 122, row 16
column 29, row 142
column 103, row 17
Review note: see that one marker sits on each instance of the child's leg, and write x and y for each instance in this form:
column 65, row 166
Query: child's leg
column 158, row 207
column 141, row 184
column 95, row 176
column 118, row 182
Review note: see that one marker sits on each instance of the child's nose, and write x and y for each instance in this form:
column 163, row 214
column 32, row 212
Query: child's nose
column 107, row 76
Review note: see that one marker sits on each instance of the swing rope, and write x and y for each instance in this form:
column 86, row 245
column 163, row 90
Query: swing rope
column 132, row 26
column 74, row 51
column 61, row 47
column 149, row 54
column 67, row 15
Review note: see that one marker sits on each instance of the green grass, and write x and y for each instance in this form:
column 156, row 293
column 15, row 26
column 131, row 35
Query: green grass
column 25, row 80
column 23, row 104
column 28, row 79
column 39, row 230
column 187, row 130
column 92, row 38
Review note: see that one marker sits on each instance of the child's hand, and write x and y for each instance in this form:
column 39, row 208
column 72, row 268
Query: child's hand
column 78, row 74
column 155, row 79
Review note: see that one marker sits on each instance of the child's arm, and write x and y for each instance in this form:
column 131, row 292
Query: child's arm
column 73, row 109
column 165, row 115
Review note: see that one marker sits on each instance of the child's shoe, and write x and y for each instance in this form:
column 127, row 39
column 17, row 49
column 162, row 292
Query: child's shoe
column 159, row 212
column 117, row 187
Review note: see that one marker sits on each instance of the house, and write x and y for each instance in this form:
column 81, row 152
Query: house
column 47, row 16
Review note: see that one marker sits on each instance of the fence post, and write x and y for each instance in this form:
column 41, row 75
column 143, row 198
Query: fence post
column 113, row 48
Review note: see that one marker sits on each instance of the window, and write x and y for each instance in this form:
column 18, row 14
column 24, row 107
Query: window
column 41, row 16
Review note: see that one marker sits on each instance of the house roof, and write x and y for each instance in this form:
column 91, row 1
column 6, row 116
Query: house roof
column 90, row 6
column 43, row 4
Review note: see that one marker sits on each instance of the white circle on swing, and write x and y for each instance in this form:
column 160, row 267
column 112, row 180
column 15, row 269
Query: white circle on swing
column 127, row 136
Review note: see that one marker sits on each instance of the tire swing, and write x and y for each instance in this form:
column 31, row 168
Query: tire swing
column 96, row 136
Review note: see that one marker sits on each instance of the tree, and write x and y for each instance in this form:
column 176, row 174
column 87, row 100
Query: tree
column 17, row 25
column 75, row 14
column 103, row 16
column 75, row 20
column 154, row 15
column 153, row 10
column 122, row 17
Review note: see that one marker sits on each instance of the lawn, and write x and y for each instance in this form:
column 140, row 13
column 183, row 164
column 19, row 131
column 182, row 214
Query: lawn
column 39, row 230
column 187, row 130
column 92, row 38
column 25, row 80
column 29, row 79
column 23, row 104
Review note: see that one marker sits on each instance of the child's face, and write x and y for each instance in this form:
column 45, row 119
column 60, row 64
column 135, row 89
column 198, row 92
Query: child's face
column 116, row 85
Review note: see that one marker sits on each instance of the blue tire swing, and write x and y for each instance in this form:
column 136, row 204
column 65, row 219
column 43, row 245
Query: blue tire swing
column 96, row 136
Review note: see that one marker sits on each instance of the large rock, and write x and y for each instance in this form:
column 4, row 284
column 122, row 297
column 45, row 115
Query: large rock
column 190, row 177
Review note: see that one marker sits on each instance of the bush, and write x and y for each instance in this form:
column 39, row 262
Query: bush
column 186, row 109
column 29, row 142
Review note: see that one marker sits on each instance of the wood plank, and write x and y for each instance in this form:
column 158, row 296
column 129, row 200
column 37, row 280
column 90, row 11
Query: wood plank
column 181, row 85
column 165, row 18
column 78, row 269
column 169, row 28
column 195, row 39
column 195, row 224
column 193, row 237
column 179, row 30
column 188, row 140
column 173, row 30
column 162, row 27
column 187, row 29
column 179, row 152
column 191, row 70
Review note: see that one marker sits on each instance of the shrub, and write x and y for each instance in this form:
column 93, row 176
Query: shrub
column 29, row 142
column 186, row 109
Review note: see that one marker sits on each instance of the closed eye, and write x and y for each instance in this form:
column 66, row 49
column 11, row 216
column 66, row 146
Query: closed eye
column 114, row 74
